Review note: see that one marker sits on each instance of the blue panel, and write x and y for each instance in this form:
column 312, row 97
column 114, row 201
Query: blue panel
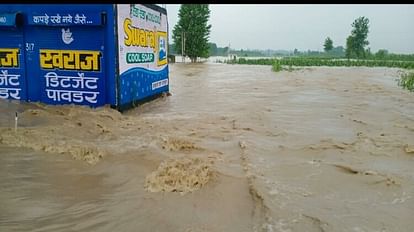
column 12, row 64
column 139, row 83
column 66, row 65
column 8, row 19
column 112, row 59
column 96, row 33
column 77, row 17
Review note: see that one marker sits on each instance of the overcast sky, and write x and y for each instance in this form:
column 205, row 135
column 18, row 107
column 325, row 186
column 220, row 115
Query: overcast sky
column 290, row 26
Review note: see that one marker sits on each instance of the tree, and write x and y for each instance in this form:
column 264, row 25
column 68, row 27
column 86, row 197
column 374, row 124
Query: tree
column 328, row 45
column 357, row 41
column 192, row 25
column 349, row 47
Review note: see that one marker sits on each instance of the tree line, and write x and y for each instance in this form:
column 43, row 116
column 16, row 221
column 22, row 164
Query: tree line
column 357, row 42
column 192, row 31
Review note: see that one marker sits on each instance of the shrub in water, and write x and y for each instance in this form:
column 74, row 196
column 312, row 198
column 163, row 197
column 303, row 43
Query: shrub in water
column 407, row 81
column 276, row 67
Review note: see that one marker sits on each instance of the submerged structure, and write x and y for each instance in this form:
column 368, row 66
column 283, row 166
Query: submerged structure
column 94, row 54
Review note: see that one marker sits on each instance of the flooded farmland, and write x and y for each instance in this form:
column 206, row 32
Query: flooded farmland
column 234, row 148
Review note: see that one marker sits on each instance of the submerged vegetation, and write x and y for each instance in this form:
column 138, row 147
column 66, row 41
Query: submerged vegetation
column 301, row 61
column 407, row 81
column 276, row 66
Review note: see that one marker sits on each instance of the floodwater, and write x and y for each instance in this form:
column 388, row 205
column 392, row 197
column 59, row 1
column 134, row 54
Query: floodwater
column 235, row 148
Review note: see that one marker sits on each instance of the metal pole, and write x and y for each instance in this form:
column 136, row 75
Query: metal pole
column 15, row 122
column 184, row 46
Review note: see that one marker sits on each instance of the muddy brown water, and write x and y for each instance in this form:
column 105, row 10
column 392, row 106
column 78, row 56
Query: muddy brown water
column 235, row 148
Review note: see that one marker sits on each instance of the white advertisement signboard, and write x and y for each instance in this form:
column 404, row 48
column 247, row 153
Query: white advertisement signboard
column 142, row 51
column 142, row 38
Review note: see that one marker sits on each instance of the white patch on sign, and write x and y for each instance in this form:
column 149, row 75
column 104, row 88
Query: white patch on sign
column 159, row 84
column 67, row 36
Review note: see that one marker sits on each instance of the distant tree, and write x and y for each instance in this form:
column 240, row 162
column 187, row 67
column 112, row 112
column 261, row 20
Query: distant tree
column 328, row 45
column 295, row 52
column 368, row 53
column 357, row 41
column 213, row 49
column 226, row 50
column 338, row 51
column 222, row 51
column 381, row 54
column 171, row 49
column 193, row 25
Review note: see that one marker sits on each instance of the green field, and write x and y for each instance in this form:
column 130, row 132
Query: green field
column 300, row 61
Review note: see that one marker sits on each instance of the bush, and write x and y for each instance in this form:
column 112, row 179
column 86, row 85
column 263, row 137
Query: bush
column 407, row 81
column 276, row 67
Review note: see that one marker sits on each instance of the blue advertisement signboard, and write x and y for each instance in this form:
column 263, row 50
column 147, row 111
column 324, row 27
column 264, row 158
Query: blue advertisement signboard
column 91, row 54
column 67, row 67
column 12, row 64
